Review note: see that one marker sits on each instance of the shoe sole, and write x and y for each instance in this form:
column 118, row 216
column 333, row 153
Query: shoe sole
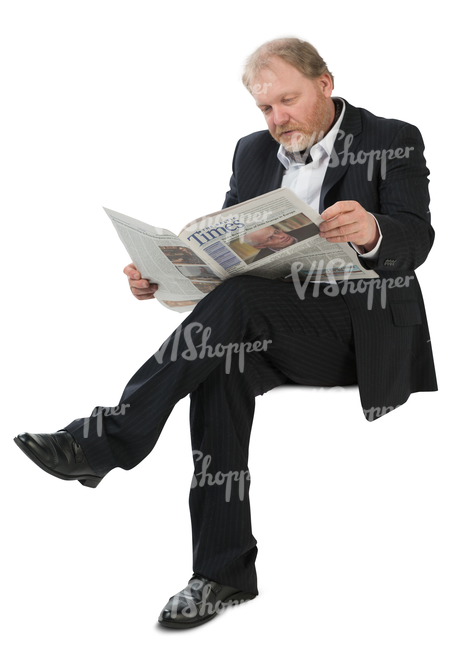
column 241, row 596
column 87, row 481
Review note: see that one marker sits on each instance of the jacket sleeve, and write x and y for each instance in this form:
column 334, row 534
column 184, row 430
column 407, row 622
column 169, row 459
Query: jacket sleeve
column 231, row 197
column 404, row 217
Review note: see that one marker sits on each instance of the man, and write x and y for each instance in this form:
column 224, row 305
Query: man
column 367, row 176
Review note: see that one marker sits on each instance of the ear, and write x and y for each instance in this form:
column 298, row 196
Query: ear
column 325, row 84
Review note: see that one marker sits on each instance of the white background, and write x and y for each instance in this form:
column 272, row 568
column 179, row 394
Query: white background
column 361, row 536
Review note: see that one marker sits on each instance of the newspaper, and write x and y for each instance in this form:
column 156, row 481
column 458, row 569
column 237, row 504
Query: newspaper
column 272, row 236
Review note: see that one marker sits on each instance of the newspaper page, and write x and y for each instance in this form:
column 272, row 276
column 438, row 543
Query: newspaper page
column 161, row 257
column 272, row 236
column 266, row 235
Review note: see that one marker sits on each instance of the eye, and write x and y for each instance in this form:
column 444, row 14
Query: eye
column 265, row 109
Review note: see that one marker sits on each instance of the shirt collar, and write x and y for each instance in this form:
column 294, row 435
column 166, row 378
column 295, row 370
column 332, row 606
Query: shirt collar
column 326, row 144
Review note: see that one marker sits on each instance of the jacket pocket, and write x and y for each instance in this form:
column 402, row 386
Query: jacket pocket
column 406, row 313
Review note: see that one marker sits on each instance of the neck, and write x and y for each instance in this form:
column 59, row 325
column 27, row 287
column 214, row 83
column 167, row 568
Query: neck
column 335, row 111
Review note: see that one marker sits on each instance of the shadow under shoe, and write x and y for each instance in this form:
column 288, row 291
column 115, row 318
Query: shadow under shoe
column 60, row 455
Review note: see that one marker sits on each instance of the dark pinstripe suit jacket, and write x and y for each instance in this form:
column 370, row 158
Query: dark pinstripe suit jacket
column 379, row 163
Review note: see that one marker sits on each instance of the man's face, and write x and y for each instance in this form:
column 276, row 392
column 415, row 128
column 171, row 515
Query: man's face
column 298, row 111
column 270, row 237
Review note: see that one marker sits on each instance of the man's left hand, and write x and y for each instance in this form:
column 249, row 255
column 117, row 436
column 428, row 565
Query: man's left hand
column 347, row 221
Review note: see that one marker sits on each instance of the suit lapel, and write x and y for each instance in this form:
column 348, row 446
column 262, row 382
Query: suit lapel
column 348, row 139
column 273, row 172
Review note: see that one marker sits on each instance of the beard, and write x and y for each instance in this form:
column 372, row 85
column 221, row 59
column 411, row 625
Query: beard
column 312, row 130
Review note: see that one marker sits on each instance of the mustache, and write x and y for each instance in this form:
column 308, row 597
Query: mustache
column 314, row 137
column 289, row 127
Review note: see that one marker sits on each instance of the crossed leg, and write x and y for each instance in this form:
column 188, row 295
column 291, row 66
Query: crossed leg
column 309, row 342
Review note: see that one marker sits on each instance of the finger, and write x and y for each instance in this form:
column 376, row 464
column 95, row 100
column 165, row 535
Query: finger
column 149, row 288
column 132, row 272
column 150, row 291
column 338, row 208
column 146, row 297
column 139, row 284
column 348, row 222
column 339, row 239
column 343, row 237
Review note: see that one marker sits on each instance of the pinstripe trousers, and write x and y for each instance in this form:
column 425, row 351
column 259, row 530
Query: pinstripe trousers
column 308, row 342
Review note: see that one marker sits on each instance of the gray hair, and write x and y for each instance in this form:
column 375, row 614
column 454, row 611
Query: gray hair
column 301, row 55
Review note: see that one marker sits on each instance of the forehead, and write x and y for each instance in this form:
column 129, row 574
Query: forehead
column 262, row 232
column 275, row 80
column 268, row 230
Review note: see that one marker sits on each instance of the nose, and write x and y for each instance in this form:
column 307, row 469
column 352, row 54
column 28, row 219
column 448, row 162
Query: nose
column 280, row 116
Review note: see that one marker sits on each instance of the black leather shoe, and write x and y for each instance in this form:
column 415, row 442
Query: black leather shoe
column 60, row 455
column 199, row 602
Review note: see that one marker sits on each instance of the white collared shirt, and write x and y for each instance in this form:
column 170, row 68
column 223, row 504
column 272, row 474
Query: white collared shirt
column 306, row 180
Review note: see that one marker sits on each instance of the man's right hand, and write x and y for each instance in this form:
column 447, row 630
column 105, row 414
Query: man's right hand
column 140, row 288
